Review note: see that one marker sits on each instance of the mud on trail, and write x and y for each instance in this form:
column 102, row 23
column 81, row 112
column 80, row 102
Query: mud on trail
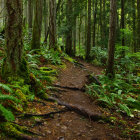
column 70, row 125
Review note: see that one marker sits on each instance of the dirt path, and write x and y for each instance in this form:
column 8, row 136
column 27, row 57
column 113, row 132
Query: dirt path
column 69, row 125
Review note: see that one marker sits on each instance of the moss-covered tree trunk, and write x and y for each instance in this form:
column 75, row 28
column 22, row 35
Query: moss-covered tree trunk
column 37, row 25
column 13, row 63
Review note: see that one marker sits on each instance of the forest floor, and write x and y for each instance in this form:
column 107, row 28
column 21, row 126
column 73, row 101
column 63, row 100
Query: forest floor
column 70, row 125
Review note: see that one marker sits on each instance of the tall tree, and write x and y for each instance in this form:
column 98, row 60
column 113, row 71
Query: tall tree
column 94, row 21
column 74, row 27
column 52, row 24
column 88, row 45
column 134, row 25
column 14, row 63
column 30, row 13
column 69, row 27
column 111, row 42
column 123, row 23
column 138, row 25
column 37, row 26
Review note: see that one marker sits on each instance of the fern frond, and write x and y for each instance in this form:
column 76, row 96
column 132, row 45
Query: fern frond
column 6, row 87
column 9, row 97
column 8, row 115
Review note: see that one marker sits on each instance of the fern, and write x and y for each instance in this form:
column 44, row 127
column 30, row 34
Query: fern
column 9, row 97
column 5, row 87
column 8, row 115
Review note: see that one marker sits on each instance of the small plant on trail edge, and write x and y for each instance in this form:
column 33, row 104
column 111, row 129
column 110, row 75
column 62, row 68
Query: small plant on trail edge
column 6, row 113
column 118, row 94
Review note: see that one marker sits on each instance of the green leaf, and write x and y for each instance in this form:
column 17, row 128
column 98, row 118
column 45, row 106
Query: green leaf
column 126, row 109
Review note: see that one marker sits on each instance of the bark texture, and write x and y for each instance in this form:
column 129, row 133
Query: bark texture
column 88, row 46
column 69, row 27
column 37, row 25
column 52, row 24
column 138, row 25
column 111, row 43
column 13, row 64
column 30, row 13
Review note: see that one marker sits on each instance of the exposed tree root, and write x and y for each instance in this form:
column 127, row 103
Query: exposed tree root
column 37, row 101
column 16, row 131
column 70, row 88
column 92, row 78
column 80, row 110
column 48, row 115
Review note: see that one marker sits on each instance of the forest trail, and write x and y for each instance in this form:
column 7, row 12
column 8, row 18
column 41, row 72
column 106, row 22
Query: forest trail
column 69, row 125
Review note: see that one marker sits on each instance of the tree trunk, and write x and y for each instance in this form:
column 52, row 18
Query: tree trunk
column 69, row 26
column 88, row 46
column 123, row 24
column 30, row 13
column 74, row 29
column 111, row 43
column 14, row 63
column 35, row 44
column 134, row 25
column 138, row 25
column 52, row 24
column 94, row 22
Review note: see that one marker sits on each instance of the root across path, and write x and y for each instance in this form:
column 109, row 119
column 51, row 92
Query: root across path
column 80, row 118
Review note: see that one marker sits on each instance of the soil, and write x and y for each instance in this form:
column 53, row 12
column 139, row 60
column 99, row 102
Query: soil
column 69, row 125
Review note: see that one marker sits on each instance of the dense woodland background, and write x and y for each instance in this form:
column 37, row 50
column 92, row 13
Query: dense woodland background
column 105, row 33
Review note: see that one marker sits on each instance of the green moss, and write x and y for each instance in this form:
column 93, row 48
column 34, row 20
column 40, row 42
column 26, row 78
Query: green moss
column 24, row 70
column 21, row 95
column 47, row 71
column 69, row 59
column 63, row 66
column 10, row 130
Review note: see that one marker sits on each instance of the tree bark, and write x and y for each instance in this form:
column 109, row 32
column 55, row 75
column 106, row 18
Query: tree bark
column 94, row 22
column 52, row 24
column 138, row 25
column 111, row 43
column 36, row 36
column 123, row 24
column 88, row 46
column 14, row 38
column 69, row 27
column 30, row 13
column 134, row 26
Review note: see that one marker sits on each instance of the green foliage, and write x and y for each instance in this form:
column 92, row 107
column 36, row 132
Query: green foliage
column 118, row 94
column 99, row 56
column 53, row 56
column 6, row 87
column 8, row 97
column 8, row 115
